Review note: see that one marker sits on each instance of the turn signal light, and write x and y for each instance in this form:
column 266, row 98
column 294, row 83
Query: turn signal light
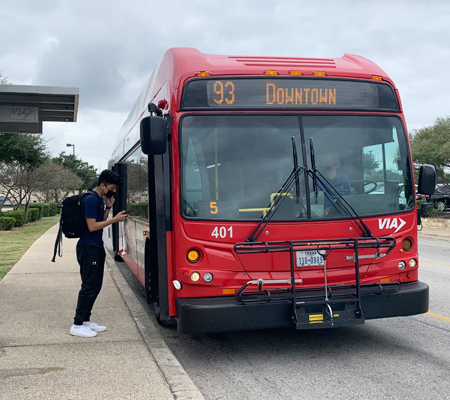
column 193, row 255
column 407, row 244
column 271, row 72
column 319, row 73
column 377, row 78
column 295, row 73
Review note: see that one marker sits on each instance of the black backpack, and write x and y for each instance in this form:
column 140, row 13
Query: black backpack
column 72, row 222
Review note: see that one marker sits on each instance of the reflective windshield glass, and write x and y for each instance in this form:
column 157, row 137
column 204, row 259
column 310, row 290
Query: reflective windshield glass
column 365, row 159
column 234, row 166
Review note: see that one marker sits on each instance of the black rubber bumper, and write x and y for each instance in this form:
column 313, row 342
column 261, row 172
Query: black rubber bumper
column 225, row 314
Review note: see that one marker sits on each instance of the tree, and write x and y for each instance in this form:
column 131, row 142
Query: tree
column 20, row 154
column 54, row 182
column 431, row 145
column 3, row 80
column 370, row 162
column 83, row 170
column 25, row 148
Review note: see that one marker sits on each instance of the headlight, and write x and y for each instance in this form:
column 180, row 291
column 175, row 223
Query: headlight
column 208, row 277
column 195, row 277
column 401, row 265
column 412, row 263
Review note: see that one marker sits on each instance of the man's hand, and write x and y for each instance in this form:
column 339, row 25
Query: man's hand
column 110, row 201
column 120, row 216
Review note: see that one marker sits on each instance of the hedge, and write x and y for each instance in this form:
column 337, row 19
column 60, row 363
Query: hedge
column 45, row 212
column 6, row 223
column 139, row 210
column 18, row 215
column 33, row 214
column 38, row 206
column 53, row 209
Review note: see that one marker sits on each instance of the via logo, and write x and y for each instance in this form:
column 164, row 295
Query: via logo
column 390, row 223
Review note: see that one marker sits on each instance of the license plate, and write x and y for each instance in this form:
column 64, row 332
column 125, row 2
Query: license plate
column 308, row 258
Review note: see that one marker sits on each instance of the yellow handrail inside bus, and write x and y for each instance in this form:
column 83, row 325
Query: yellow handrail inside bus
column 272, row 199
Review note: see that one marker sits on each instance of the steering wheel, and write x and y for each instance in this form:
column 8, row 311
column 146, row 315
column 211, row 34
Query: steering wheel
column 365, row 183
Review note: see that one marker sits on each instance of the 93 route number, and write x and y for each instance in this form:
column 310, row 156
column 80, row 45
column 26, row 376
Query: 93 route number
column 222, row 232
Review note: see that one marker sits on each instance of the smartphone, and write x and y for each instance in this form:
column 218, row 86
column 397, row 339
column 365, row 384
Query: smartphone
column 129, row 212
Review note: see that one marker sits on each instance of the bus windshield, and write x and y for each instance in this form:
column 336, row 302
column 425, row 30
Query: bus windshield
column 232, row 166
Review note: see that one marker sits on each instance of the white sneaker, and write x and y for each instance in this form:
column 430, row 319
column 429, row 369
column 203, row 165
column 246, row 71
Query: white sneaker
column 94, row 327
column 82, row 331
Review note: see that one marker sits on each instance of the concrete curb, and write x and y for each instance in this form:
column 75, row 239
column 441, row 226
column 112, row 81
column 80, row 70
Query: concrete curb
column 433, row 236
column 176, row 377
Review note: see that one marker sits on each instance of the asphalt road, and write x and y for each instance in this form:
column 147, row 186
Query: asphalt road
column 395, row 358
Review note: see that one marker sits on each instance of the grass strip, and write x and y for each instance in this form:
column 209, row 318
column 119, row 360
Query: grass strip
column 14, row 243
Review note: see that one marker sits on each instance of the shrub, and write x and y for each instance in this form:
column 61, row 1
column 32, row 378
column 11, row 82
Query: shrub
column 45, row 212
column 53, row 209
column 33, row 214
column 6, row 223
column 38, row 206
column 136, row 209
column 433, row 211
column 18, row 215
column 144, row 210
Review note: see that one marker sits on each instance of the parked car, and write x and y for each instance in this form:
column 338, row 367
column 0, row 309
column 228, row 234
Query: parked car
column 7, row 202
column 420, row 196
column 441, row 196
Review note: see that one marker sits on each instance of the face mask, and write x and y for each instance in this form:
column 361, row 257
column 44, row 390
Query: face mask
column 109, row 194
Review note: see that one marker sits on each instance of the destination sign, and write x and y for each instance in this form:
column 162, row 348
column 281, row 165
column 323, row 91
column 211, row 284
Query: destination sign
column 289, row 93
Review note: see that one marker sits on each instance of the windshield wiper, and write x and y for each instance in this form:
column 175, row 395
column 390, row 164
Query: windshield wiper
column 313, row 166
column 338, row 199
column 293, row 177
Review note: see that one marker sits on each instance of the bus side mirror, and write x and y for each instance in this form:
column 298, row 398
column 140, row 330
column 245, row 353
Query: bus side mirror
column 153, row 132
column 427, row 180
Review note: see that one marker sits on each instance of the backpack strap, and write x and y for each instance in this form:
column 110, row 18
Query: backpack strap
column 58, row 242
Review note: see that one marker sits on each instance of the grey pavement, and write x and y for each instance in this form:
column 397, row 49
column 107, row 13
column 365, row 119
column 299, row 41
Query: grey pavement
column 436, row 233
column 40, row 360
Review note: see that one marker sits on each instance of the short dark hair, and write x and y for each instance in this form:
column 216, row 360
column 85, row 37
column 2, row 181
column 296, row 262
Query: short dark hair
column 108, row 177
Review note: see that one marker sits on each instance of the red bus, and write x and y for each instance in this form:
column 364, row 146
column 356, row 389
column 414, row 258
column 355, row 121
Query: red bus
column 270, row 192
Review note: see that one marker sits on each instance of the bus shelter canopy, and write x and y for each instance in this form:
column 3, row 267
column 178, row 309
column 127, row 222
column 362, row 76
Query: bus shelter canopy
column 24, row 108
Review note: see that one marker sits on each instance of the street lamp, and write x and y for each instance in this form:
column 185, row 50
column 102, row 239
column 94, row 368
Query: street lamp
column 71, row 145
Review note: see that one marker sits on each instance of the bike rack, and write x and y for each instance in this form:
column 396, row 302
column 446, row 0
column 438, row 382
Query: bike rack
column 310, row 308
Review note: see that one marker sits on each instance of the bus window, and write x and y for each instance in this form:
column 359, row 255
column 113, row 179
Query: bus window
column 233, row 166
column 371, row 156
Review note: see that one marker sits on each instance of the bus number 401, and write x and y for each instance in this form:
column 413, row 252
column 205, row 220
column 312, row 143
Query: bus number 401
column 222, row 232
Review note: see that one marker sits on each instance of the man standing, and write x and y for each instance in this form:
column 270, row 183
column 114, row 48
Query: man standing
column 91, row 253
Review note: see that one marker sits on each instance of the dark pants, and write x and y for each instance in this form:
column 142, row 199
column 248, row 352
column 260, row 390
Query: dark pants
column 92, row 263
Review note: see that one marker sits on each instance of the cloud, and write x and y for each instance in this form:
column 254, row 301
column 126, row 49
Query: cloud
column 108, row 49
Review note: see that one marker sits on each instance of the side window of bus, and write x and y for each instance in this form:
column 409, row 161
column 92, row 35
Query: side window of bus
column 381, row 165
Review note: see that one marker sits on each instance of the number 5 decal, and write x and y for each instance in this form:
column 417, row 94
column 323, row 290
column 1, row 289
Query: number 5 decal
column 222, row 232
column 213, row 207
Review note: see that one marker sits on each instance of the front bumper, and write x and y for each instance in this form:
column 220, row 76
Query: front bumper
column 225, row 314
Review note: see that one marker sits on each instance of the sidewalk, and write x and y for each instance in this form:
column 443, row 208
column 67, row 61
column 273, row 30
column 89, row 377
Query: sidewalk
column 434, row 233
column 40, row 360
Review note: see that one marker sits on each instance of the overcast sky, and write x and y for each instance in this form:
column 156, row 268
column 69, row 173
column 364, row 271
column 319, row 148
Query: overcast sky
column 108, row 49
